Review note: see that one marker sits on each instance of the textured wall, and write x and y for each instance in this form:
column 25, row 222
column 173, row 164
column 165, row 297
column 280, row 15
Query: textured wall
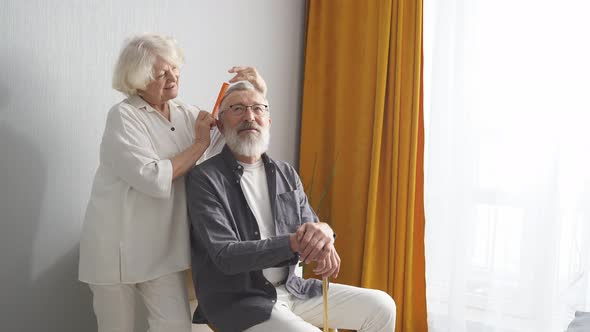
column 56, row 59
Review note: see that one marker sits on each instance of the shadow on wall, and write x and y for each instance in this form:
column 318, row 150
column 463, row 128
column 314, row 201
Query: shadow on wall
column 54, row 300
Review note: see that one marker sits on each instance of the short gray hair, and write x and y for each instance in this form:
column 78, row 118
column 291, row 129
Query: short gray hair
column 134, row 68
column 239, row 86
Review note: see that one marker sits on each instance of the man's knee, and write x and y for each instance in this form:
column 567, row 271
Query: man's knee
column 384, row 300
column 383, row 305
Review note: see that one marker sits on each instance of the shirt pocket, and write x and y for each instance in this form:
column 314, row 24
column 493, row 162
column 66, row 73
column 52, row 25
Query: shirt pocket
column 288, row 211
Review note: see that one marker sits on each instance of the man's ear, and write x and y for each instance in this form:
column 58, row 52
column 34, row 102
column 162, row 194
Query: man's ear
column 219, row 125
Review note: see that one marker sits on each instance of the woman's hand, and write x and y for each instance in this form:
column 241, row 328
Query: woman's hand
column 248, row 74
column 203, row 125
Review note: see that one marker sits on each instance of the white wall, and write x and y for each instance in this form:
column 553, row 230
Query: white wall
column 56, row 61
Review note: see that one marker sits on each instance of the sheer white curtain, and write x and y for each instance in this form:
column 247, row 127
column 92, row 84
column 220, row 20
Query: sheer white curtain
column 507, row 105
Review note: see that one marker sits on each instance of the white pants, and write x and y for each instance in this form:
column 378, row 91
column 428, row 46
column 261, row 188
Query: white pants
column 353, row 308
column 165, row 298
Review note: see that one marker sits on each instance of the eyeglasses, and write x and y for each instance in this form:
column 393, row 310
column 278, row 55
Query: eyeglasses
column 239, row 109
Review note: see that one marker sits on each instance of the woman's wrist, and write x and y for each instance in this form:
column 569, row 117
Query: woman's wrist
column 200, row 147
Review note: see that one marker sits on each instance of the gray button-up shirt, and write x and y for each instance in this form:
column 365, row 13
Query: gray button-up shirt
column 226, row 250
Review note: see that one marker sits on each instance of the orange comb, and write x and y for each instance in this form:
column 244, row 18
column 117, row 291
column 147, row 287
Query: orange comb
column 224, row 87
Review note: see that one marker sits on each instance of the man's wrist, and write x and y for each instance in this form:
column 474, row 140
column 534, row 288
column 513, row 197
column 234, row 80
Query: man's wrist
column 293, row 242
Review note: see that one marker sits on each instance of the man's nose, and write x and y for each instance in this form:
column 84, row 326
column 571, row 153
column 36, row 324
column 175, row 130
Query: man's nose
column 249, row 114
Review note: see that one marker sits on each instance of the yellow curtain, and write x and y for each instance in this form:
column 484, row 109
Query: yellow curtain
column 362, row 124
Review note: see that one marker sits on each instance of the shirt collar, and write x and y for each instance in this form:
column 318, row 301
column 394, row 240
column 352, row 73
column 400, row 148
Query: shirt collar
column 232, row 163
column 138, row 102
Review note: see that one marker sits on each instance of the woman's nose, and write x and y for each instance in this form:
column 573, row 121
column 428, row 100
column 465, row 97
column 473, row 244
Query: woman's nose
column 172, row 76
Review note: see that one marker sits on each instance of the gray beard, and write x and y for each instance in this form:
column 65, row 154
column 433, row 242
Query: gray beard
column 251, row 145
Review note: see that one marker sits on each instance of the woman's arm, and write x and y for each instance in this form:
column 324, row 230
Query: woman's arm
column 184, row 161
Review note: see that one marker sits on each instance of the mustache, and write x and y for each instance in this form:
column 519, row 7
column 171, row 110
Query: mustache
column 248, row 125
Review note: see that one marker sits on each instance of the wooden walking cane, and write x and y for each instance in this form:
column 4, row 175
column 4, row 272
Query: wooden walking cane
column 325, row 282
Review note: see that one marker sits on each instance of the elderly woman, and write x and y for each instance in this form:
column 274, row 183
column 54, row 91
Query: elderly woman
column 135, row 236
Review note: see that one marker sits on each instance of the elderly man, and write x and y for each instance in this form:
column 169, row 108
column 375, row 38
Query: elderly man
column 251, row 223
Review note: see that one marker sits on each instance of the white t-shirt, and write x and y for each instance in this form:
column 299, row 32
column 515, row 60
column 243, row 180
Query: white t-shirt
column 255, row 187
column 136, row 224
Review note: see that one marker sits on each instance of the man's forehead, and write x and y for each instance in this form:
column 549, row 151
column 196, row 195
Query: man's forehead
column 245, row 95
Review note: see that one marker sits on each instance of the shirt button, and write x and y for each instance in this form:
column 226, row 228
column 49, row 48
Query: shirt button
column 274, row 301
column 255, row 233
column 267, row 283
column 173, row 129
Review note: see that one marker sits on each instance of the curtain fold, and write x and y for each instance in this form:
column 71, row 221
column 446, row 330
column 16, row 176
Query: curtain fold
column 362, row 124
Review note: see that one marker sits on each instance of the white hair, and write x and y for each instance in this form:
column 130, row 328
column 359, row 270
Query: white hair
column 134, row 68
column 239, row 86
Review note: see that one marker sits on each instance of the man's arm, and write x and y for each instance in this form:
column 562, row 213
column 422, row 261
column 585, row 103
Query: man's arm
column 210, row 220
column 314, row 239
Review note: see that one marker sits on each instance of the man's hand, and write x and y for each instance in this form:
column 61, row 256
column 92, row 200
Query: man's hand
column 314, row 241
column 248, row 74
column 330, row 266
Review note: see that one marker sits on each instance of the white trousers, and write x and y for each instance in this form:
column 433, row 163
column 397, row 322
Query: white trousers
column 165, row 298
column 353, row 308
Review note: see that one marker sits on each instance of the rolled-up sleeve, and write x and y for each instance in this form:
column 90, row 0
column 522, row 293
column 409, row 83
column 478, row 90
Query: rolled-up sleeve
column 126, row 149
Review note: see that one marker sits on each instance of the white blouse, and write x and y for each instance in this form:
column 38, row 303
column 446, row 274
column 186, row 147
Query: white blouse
column 136, row 225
